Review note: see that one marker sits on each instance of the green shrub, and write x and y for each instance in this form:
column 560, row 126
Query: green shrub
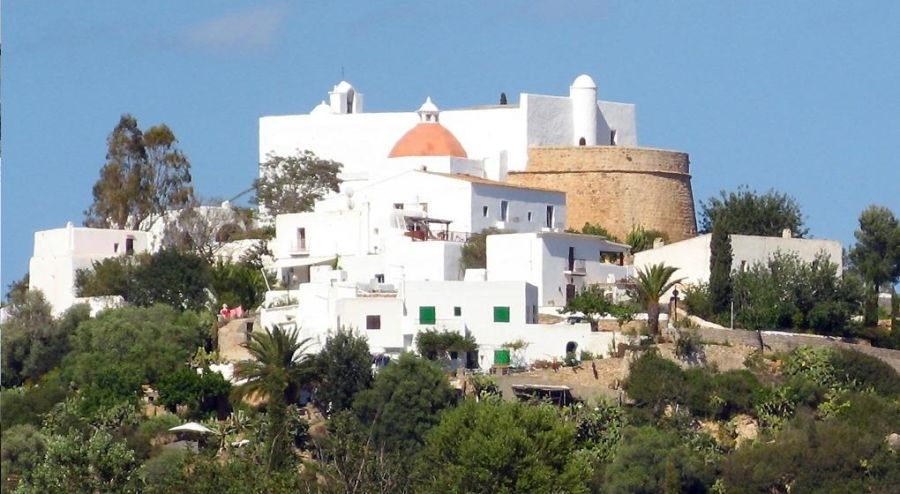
column 654, row 382
column 829, row 317
column 864, row 371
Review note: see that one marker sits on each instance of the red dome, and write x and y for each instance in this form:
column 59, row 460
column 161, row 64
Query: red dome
column 428, row 139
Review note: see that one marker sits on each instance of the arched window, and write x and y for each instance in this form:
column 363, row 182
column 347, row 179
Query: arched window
column 582, row 141
column 571, row 347
column 350, row 94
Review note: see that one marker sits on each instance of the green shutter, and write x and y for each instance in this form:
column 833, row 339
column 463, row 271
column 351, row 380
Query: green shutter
column 427, row 315
column 501, row 314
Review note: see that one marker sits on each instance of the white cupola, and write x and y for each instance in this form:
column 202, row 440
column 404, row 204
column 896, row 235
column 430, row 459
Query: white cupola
column 428, row 112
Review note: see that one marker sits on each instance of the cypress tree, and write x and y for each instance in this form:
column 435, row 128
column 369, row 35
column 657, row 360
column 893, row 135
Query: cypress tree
column 720, row 269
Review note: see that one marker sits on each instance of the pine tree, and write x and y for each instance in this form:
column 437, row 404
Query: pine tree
column 720, row 269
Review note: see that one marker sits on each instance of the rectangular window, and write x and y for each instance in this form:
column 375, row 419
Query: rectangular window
column 373, row 322
column 484, row 211
column 501, row 313
column 129, row 246
column 379, row 278
column 398, row 205
column 457, row 311
column 504, row 210
column 427, row 314
column 116, row 248
column 530, row 216
column 549, row 216
column 301, row 238
column 613, row 138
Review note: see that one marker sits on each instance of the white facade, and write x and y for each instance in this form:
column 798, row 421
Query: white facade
column 692, row 256
column 556, row 263
column 470, row 203
column 496, row 135
column 60, row 252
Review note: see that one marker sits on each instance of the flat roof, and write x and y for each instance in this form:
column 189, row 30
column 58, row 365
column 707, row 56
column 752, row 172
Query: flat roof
column 485, row 181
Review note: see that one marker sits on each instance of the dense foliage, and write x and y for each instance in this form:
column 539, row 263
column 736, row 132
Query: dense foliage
column 811, row 420
column 591, row 302
column 182, row 279
column 144, row 176
column 404, row 401
column 433, row 344
column 474, row 251
column 293, row 184
column 594, row 229
column 33, row 342
column 502, row 447
column 720, row 259
column 343, row 368
column 641, row 239
column 786, row 292
column 651, row 283
column 747, row 212
column 876, row 254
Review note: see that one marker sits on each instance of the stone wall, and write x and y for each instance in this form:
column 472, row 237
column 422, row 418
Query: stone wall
column 785, row 342
column 617, row 187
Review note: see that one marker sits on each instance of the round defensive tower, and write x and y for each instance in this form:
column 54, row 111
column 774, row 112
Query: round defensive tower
column 617, row 187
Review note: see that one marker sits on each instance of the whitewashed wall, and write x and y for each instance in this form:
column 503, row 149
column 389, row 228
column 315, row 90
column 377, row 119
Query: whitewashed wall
column 521, row 201
column 541, row 259
column 498, row 135
column 692, row 256
column 60, row 252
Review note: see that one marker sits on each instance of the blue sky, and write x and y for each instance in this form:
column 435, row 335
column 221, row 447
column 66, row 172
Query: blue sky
column 801, row 96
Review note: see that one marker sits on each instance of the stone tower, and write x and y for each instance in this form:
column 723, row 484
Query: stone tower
column 617, row 187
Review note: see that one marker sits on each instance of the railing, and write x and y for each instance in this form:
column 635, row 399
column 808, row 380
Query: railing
column 438, row 236
column 576, row 268
column 375, row 290
column 298, row 249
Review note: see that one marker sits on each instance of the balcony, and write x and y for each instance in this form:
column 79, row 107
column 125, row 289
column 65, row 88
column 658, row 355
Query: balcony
column 298, row 249
column 576, row 267
column 375, row 289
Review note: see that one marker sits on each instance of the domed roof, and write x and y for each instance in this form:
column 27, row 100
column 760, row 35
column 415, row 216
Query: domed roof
column 584, row 81
column 321, row 109
column 343, row 87
column 428, row 139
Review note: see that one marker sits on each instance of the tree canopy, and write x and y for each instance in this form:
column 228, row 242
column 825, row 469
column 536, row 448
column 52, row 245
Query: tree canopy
column 145, row 175
column 293, row 184
column 474, row 251
column 404, row 402
column 280, row 367
column 592, row 302
column 747, row 212
column 493, row 446
column 876, row 254
column 651, row 283
column 344, row 368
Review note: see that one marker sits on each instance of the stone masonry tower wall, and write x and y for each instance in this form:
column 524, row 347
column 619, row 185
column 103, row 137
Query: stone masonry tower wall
column 617, row 187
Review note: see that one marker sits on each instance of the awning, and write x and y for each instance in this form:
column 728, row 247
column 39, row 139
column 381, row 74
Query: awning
column 191, row 427
column 294, row 262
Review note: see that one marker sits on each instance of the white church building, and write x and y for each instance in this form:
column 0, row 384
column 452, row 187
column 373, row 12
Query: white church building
column 486, row 141
column 384, row 256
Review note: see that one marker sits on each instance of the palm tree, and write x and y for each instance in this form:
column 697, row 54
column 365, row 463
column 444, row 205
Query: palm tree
column 279, row 367
column 652, row 282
